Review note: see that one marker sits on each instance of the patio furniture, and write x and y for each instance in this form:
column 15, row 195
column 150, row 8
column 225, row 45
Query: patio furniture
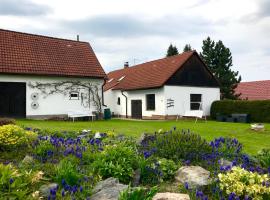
column 78, row 113
column 195, row 114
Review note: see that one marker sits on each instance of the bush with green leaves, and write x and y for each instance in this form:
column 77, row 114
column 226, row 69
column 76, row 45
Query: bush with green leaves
column 168, row 168
column 67, row 171
column 138, row 193
column 177, row 146
column 43, row 150
column 12, row 136
column 263, row 157
column 258, row 110
column 117, row 161
column 12, row 184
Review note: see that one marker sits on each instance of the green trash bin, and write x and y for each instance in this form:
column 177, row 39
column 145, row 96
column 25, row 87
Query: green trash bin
column 107, row 114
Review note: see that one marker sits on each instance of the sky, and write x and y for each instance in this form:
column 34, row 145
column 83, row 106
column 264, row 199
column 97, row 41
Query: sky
column 141, row 30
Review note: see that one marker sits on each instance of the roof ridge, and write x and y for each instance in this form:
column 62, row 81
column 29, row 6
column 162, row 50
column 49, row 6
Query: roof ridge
column 138, row 65
column 45, row 36
column 254, row 81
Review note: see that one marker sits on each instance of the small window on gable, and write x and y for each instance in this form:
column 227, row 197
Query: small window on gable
column 195, row 101
column 150, row 102
column 74, row 95
column 118, row 101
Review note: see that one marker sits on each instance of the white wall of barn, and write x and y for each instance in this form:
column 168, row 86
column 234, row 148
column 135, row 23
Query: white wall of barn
column 56, row 104
column 181, row 98
column 111, row 97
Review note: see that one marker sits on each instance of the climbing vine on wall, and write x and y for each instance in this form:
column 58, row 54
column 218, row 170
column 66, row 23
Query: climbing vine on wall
column 91, row 92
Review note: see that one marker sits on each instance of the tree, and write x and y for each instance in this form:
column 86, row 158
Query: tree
column 172, row 51
column 187, row 48
column 218, row 58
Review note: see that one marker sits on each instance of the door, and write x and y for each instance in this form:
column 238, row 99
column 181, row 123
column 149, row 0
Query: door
column 136, row 109
column 13, row 99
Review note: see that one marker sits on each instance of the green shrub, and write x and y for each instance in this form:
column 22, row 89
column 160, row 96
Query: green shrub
column 168, row 168
column 6, row 121
column 14, row 136
column 117, row 161
column 138, row 193
column 179, row 146
column 263, row 157
column 67, row 171
column 44, row 150
column 12, row 184
column 258, row 110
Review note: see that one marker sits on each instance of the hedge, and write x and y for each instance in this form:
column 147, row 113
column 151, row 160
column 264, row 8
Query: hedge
column 259, row 110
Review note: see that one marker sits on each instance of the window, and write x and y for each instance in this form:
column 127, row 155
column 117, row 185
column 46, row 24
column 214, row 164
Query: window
column 150, row 102
column 118, row 101
column 74, row 96
column 195, row 101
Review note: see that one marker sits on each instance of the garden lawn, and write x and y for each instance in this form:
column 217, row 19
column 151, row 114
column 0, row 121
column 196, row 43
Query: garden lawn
column 252, row 141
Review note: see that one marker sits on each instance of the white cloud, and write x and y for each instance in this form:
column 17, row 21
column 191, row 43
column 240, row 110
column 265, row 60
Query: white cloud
column 137, row 31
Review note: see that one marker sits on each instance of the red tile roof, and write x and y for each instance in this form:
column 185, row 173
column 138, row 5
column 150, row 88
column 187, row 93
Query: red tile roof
column 22, row 53
column 255, row 90
column 151, row 74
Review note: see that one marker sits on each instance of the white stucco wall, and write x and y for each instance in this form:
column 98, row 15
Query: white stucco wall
column 111, row 96
column 181, row 97
column 56, row 104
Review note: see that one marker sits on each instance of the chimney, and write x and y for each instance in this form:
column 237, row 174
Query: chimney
column 78, row 38
column 126, row 65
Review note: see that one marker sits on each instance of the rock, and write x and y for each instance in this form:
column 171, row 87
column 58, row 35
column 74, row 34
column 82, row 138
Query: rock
column 45, row 189
column 195, row 176
column 108, row 189
column 224, row 162
column 28, row 160
column 171, row 196
column 136, row 178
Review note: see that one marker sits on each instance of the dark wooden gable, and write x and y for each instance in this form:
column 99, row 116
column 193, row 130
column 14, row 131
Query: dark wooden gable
column 193, row 73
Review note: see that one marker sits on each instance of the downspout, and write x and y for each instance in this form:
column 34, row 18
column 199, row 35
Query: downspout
column 102, row 94
column 126, row 103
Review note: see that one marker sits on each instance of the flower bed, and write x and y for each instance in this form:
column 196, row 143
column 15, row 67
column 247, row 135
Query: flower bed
column 71, row 163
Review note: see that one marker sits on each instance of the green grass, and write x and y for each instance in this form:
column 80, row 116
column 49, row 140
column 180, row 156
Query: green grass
column 252, row 141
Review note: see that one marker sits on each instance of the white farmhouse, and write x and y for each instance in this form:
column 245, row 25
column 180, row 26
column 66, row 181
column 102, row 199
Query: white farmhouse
column 43, row 77
column 162, row 89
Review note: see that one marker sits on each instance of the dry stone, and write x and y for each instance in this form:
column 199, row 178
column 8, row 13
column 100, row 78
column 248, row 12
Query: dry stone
column 171, row 196
column 195, row 176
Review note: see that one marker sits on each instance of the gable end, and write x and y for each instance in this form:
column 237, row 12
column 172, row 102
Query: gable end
column 193, row 73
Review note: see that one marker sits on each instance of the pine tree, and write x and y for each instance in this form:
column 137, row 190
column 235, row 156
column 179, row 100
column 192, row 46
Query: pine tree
column 172, row 50
column 187, row 47
column 219, row 60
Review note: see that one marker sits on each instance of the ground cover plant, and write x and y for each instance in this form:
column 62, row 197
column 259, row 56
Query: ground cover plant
column 252, row 141
column 72, row 162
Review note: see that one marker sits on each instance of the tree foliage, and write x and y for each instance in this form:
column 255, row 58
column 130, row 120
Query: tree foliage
column 219, row 60
column 187, row 47
column 172, row 51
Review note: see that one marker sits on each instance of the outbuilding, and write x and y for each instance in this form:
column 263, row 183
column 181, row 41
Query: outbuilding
column 162, row 89
column 43, row 77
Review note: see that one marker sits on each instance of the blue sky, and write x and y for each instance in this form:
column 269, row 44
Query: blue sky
column 139, row 31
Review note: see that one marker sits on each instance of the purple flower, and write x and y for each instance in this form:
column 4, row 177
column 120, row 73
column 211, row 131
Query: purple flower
column 146, row 154
column 11, row 180
column 63, row 193
column 186, row 186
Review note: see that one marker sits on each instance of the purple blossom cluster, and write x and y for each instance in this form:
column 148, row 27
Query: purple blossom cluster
column 66, row 147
